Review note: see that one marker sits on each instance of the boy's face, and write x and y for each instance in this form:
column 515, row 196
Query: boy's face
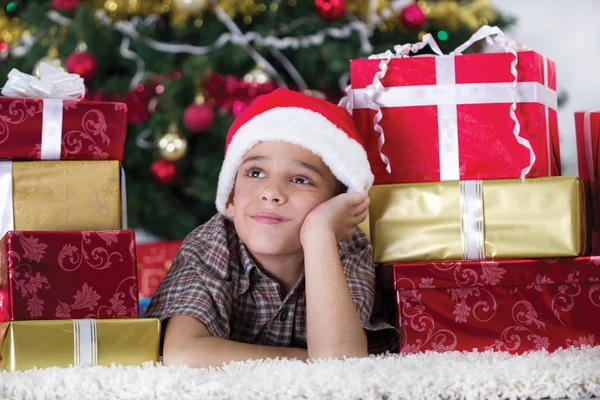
column 277, row 185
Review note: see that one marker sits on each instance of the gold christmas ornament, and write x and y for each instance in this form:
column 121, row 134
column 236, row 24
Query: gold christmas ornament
column 172, row 146
column 194, row 7
column 11, row 29
column 51, row 58
column 257, row 75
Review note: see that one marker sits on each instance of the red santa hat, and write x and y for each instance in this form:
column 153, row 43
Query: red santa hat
column 293, row 117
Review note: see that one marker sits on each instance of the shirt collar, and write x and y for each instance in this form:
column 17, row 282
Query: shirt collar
column 248, row 265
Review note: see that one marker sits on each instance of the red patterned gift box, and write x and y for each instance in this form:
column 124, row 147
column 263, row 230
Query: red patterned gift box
column 449, row 117
column 64, row 275
column 154, row 261
column 67, row 130
column 513, row 306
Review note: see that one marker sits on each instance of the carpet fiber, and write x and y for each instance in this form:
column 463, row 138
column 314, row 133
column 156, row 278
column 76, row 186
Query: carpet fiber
column 573, row 373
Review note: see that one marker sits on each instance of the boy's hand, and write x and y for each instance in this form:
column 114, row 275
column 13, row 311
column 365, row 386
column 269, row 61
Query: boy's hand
column 339, row 216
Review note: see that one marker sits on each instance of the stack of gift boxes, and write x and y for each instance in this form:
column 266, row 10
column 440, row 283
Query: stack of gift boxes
column 68, row 277
column 480, row 241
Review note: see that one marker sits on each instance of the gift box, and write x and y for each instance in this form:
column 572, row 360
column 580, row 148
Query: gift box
column 61, row 196
column 154, row 260
column 448, row 118
column 507, row 305
column 585, row 159
column 475, row 220
column 87, row 342
column 50, row 129
column 63, row 275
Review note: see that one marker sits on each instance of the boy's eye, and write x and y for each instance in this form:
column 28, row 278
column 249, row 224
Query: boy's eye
column 255, row 173
column 301, row 180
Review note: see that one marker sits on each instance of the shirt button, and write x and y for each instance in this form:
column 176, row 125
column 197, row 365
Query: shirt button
column 282, row 316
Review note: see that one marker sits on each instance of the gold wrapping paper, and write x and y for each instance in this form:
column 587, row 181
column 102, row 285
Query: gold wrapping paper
column 28, row 344
column 537, row 218
column 67, row 195
column 365, row 227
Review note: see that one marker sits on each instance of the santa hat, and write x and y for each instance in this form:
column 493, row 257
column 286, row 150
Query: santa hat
column 293, row 117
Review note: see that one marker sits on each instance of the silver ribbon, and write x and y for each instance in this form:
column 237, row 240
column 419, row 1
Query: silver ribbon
column 7, row 222
column 85, row 342
column 472, row 224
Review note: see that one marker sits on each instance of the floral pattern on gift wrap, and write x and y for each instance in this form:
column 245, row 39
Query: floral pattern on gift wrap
column 28, row 283
column 18, row 111
column 71, row 257
column 564, row 300
column 589, row 340
column 470, row 284
column 415, row 313
column 92, row 131
column 87, row 298
column 524, row 316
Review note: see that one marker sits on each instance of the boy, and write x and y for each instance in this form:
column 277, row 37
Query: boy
column 281, row 270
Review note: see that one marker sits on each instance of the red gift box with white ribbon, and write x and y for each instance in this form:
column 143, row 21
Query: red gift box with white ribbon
column 457, row 117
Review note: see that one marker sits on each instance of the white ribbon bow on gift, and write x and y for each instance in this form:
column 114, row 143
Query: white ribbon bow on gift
column 52, row 84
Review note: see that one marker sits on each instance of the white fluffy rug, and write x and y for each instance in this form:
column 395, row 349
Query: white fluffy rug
column 573, row 373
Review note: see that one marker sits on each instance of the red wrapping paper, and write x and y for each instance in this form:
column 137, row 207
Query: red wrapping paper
column 513, row 306
column 67, row 275
column 90, row 130
column 487, row 148
column 589, row 167
column 154, row 261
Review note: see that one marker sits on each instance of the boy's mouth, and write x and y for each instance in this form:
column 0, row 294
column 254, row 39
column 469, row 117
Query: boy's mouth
column 269, row 218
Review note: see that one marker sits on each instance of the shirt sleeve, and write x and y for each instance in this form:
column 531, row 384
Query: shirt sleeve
column 192, row 288
column 356, row 257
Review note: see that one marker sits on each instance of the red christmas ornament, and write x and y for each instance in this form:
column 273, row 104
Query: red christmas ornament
column 164, row 171
column 198, row 117
column 83, row 64
column 65, row 5
column 413, row 17
column 330, row 10
column 233, row 94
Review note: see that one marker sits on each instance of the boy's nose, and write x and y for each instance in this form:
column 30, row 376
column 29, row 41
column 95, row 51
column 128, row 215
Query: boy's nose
column 273, row 194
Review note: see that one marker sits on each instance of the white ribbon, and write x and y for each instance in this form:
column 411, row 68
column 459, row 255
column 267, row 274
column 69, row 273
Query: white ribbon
column 52, row 84
column 472, row 224
column 52, row 119
column 7, row 222
column 466, row 93
column 85, row 342
column 371, row 94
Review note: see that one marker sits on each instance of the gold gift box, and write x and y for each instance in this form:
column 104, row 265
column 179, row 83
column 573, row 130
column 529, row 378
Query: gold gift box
column 42, row 344
column 67, row 195
column 535, row 218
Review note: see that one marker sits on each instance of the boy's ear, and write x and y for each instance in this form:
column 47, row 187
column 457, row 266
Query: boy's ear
column 229, row 206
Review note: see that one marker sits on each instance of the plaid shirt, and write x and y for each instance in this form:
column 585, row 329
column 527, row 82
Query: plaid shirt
column 214, row 279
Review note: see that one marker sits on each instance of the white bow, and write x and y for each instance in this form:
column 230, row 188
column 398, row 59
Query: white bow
column 52, row 84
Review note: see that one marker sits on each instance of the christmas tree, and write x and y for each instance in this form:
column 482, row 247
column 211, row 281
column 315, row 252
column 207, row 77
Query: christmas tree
column 186, row 68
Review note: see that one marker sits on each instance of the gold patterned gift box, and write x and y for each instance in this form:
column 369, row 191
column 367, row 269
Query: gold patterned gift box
column 472, row 220
column 88, row 342
column 61, row 196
